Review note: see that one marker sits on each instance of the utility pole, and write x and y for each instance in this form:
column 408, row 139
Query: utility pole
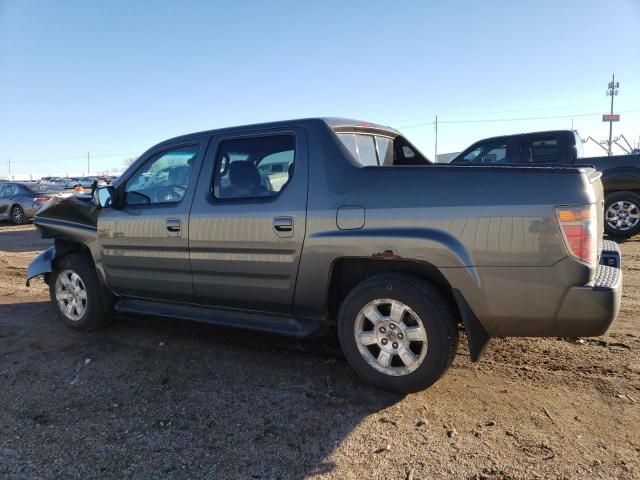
column 436, row 152
column 9, row 177
column 89, row 156
column 612, row 91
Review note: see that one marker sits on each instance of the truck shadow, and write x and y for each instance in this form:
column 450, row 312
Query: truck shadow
column 174, row 399
column 621, row 240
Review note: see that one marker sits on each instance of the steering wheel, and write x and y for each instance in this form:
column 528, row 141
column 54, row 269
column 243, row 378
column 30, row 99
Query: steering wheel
column 169, row 193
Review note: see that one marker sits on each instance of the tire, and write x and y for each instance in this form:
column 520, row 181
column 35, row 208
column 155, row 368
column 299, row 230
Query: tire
column 17, row 215
column 622, row 214
column 84, row 293
column 425, row 306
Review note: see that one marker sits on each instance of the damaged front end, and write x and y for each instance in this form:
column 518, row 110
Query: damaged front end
column 71, row 222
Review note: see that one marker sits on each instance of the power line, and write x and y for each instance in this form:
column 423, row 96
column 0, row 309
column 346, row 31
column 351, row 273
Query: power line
column 79, row 157
column 517, row 119
column 496, row 112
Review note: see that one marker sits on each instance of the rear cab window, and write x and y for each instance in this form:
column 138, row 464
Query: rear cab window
column 377, row 148
column 540, row 150
column 362, row 147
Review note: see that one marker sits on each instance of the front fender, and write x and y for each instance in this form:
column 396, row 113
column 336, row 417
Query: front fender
column 42, row 264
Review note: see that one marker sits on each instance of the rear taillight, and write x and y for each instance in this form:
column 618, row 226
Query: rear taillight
column 41, row 199
column 579, row 230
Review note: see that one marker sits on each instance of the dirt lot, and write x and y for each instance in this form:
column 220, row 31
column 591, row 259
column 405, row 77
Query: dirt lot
column 155, row 399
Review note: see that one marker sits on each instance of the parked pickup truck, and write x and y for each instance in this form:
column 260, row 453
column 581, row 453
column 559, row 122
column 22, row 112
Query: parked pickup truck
column 363, row 234
column 620, row 173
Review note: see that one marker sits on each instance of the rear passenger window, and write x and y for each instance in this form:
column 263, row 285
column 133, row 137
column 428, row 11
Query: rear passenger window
column 10, row 190
column 541, row 151
column 254, row 167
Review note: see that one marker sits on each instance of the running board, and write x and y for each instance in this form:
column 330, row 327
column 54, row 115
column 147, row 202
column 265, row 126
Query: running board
column 229, row 318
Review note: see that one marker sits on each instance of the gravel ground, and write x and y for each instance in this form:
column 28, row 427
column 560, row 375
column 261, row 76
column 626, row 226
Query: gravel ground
column 158, row 399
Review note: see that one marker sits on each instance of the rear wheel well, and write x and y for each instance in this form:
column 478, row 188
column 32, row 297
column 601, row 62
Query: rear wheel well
column 346, row 273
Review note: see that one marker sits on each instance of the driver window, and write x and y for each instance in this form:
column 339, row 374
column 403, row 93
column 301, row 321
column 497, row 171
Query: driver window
column 163, row 178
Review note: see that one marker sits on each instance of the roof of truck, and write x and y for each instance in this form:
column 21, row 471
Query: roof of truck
column 333, row 122
column 544, row 132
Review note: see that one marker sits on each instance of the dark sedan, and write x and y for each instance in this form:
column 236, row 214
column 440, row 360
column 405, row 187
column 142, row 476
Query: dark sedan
column 19, row 202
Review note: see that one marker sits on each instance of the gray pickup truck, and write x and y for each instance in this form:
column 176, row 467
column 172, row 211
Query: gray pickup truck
column 294, row 227
column 620, row 173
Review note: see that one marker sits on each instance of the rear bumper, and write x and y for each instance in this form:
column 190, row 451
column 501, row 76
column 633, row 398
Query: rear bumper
column 589, row 310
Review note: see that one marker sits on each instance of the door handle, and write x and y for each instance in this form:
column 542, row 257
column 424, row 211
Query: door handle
column 173, row 226
column 283, row 224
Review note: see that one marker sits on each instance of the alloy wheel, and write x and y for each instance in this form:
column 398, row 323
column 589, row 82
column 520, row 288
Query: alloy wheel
column 391, row 337
column 622, row 215
column 17, row 215
column 71, row 295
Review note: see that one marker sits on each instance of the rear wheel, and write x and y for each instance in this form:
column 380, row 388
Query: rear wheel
column 76, row 293
column 622, row 214
column 17, row 215
column 398, row 332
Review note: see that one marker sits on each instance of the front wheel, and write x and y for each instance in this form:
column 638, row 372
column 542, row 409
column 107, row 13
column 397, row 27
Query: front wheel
column 76, row 294
column 622, row 214
column 397, row 332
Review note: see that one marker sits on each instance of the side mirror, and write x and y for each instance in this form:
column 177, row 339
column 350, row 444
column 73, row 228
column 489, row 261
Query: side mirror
column 104, row 196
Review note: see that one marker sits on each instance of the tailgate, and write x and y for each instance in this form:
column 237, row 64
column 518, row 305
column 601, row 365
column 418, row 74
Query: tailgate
column 594, row 177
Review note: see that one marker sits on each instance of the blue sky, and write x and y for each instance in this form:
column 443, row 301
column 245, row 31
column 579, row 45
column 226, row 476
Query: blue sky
column 113, row 78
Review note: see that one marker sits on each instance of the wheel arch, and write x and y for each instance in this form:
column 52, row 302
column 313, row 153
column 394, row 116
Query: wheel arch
column 346, row 273
column 619, row 179
column 45, row 262
column 65, row 247
column 635, row 191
